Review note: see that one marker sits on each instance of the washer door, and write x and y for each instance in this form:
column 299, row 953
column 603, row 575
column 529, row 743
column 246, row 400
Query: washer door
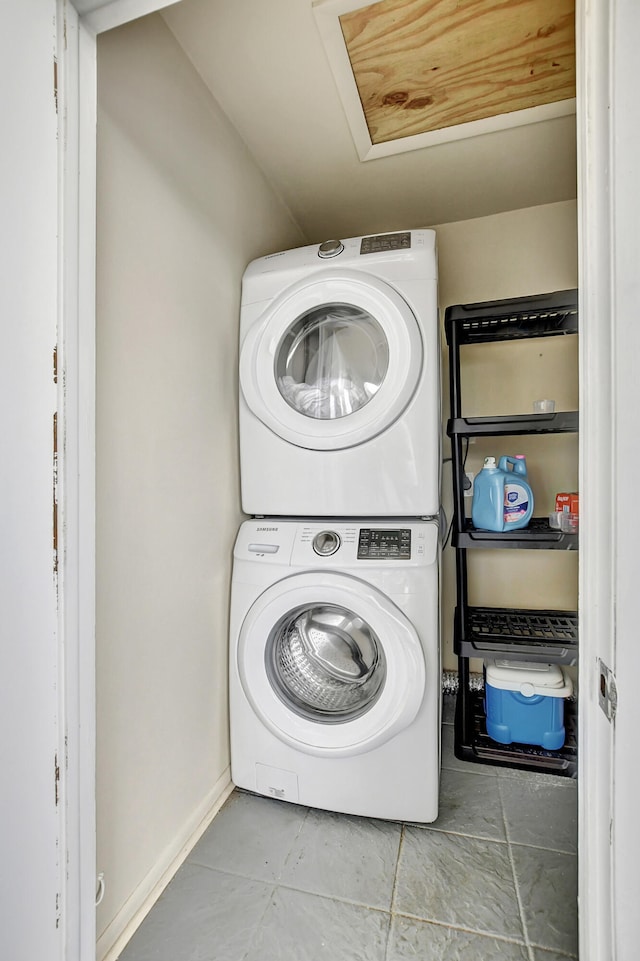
column 329, row 664
column 333, row 361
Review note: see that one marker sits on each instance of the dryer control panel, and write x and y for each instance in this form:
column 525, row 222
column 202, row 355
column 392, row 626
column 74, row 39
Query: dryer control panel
column 384, row 242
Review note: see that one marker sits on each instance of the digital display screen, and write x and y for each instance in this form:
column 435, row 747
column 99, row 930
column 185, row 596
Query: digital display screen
column 384, row 544
column 376, row 245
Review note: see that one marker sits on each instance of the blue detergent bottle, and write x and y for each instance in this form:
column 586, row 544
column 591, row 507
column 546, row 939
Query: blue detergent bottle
column 487, row 507
column 518, row 496
column 502, row 497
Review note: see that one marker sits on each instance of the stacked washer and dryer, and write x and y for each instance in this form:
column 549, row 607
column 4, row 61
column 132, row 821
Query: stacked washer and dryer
column 335, row 650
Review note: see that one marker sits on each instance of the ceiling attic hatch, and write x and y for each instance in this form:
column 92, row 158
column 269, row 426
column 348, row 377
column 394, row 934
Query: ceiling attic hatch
column 414, row 73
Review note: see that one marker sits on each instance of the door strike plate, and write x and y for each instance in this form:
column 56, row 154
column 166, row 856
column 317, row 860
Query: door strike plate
column 607, row 692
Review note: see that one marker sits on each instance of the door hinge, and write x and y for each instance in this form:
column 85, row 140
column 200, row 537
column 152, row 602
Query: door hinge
column 607, row 691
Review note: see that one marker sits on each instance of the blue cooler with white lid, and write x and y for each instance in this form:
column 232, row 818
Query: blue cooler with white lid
column 524, row 702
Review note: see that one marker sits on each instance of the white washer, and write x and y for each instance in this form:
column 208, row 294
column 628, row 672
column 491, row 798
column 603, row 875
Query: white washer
column 335, row 665
column 340, row 379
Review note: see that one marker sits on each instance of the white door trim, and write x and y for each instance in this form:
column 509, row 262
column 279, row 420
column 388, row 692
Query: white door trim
column 31, row 700
column 596, row 549
column 624, row 209
column 77, row 111
column 76, row 470
column 609, row 212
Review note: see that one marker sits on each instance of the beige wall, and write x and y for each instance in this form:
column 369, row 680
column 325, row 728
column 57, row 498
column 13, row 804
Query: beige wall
column 509, row 255
column 181, row 210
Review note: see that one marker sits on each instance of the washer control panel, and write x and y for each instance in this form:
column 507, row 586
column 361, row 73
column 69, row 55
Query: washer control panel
column 375, row 544
column 338, row 544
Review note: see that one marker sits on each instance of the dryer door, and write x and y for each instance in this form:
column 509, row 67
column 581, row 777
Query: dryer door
column 329, row 664
column 333, row 361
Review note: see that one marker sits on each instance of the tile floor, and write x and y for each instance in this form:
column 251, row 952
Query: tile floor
column 494, row 878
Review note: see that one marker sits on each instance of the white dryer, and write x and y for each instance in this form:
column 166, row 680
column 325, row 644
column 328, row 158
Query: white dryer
column 335, row 665
column 340, row 379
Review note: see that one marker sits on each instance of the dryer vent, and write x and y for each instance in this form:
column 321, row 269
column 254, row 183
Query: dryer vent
column 450, row 682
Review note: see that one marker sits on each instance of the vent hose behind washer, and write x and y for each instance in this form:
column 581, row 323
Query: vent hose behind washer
column 451, row 683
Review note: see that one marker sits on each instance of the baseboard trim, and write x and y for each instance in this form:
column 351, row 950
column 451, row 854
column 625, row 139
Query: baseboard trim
column 120, row 930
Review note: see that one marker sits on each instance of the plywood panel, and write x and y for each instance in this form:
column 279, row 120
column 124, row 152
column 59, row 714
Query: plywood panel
column 422, row 65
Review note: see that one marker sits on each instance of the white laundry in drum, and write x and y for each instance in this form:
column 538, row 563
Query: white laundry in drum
column 328, row 397
column 331, row 384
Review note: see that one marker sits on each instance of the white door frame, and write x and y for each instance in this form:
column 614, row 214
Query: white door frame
column 604, row 224
column 624, row 271
column 77, row 99
column 597, row 569
column 76, row 475
column 609, row 213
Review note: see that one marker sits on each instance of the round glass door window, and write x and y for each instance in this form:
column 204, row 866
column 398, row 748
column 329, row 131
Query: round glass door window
column 332, row 361
column 325, row 663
